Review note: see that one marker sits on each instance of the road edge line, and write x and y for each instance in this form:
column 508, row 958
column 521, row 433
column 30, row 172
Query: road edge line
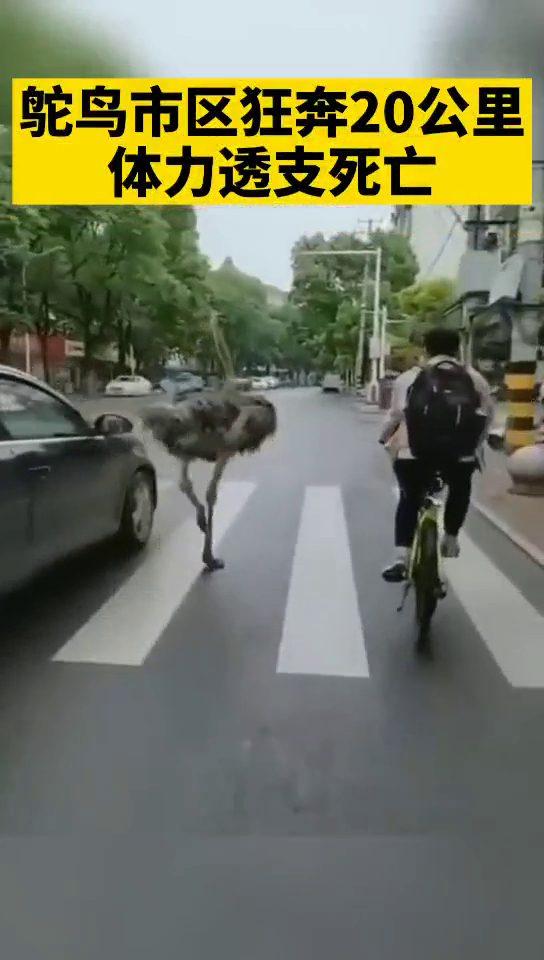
column 528, row 548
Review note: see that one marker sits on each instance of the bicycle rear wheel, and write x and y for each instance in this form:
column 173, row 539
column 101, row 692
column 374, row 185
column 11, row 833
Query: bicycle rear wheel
column 426, row 581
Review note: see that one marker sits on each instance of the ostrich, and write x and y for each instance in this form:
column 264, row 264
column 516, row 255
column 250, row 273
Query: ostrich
column 212, row 426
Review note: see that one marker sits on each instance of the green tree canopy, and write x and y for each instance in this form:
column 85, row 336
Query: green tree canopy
column 130, row 276
column 328, row 290
column 424, row 305
column 257, row 332
column 133, row 277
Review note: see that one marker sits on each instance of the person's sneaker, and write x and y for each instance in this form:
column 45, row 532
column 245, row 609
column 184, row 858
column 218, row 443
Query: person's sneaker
column 397, row 571
column 449, row 546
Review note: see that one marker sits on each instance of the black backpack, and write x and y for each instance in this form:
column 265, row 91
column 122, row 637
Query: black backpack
column 442, row 414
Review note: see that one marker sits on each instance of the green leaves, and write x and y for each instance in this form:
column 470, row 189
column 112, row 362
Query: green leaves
column 256, row 337
column 130, row 276
column 423, row 304
column 328, row 290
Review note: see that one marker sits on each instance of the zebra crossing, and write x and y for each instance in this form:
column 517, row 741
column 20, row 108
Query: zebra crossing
column 126, row 628
column 323, row 628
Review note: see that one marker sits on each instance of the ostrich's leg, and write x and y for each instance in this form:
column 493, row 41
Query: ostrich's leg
column 187, row 488
column 211, row 562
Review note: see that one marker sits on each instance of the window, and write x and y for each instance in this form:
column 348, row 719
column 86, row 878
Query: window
column 28, row 413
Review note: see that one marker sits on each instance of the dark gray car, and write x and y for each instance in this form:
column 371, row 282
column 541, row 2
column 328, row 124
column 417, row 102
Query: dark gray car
column 65, row 483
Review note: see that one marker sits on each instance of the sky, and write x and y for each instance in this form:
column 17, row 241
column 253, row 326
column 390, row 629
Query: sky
column 291, row 38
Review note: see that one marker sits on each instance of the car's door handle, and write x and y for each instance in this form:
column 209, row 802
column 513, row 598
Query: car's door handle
column 41, row 470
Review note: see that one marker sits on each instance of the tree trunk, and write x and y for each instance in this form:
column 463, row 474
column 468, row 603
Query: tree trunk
column 5, row 340
column 121, row 347
column 43, row 330
column 85, row 326
column 43, row 339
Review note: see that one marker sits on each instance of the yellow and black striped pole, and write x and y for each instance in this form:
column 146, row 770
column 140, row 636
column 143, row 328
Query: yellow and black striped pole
column 520, row 382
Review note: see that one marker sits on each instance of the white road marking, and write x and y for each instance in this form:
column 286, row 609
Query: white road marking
column 322, row 631
column 508, row 624
column 126, row 628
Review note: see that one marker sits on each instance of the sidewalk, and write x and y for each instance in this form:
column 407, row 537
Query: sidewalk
column 520, row 518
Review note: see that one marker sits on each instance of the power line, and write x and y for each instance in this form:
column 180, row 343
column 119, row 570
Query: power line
column 441, row 251
column 459, row 219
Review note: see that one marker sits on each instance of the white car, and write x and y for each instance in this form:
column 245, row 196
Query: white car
column 260, row 383
column 273, row 382
column 332, row 383
column 128, row 386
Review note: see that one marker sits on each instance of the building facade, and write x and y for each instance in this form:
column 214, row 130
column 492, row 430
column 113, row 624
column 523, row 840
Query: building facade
column 437, row 236
column 441, row 235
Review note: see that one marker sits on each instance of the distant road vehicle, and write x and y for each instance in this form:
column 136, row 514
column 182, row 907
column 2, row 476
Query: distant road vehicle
column 273, row 382
column 332, row 383
column 182, row 384
column 260, row 383
column 65, row 483
column 128, row 386
column 243, row 383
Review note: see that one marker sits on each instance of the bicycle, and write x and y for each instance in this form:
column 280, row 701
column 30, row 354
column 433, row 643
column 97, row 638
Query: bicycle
column 425, row 563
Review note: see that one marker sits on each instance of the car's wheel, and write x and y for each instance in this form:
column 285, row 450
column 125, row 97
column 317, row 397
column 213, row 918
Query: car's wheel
column 138, row 512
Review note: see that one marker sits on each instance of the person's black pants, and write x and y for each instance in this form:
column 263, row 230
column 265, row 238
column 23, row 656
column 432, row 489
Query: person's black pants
column 414, row 477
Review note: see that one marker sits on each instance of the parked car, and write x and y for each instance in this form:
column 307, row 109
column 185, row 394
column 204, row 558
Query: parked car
column 65, row 483
column 128, row 386
column 273, row 382
column 332, row 383
column 245, row 384
column 260, row 383
column 182, row 384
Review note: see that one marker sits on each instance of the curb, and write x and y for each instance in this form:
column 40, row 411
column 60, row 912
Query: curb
column 528, row 548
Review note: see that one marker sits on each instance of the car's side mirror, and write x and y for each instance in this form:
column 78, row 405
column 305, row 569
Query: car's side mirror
column 110, row 424
column 496, row 441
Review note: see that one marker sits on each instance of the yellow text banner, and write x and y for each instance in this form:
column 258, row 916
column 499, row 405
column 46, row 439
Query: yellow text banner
column 262, row 141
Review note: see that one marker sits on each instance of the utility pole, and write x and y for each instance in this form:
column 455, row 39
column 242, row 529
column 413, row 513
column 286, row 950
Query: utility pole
column 360, row 344
column 375, row 252
column 375, row 345
column 375, row 341
column 366, row 230
column 386, row 321
column 383, row 342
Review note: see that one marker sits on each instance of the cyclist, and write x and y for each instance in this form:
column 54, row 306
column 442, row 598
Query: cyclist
column 440, row 414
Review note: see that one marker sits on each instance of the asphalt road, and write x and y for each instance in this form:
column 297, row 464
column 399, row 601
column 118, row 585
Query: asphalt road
column 253, row 764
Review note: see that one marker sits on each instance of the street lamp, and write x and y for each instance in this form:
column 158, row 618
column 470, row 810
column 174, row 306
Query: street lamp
column 375, row 348
column 386, row 322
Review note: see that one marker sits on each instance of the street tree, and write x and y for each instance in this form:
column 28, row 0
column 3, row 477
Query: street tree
column 423, row 305
column 328, row 290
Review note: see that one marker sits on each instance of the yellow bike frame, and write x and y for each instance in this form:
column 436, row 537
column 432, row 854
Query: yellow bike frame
column 430, row 511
